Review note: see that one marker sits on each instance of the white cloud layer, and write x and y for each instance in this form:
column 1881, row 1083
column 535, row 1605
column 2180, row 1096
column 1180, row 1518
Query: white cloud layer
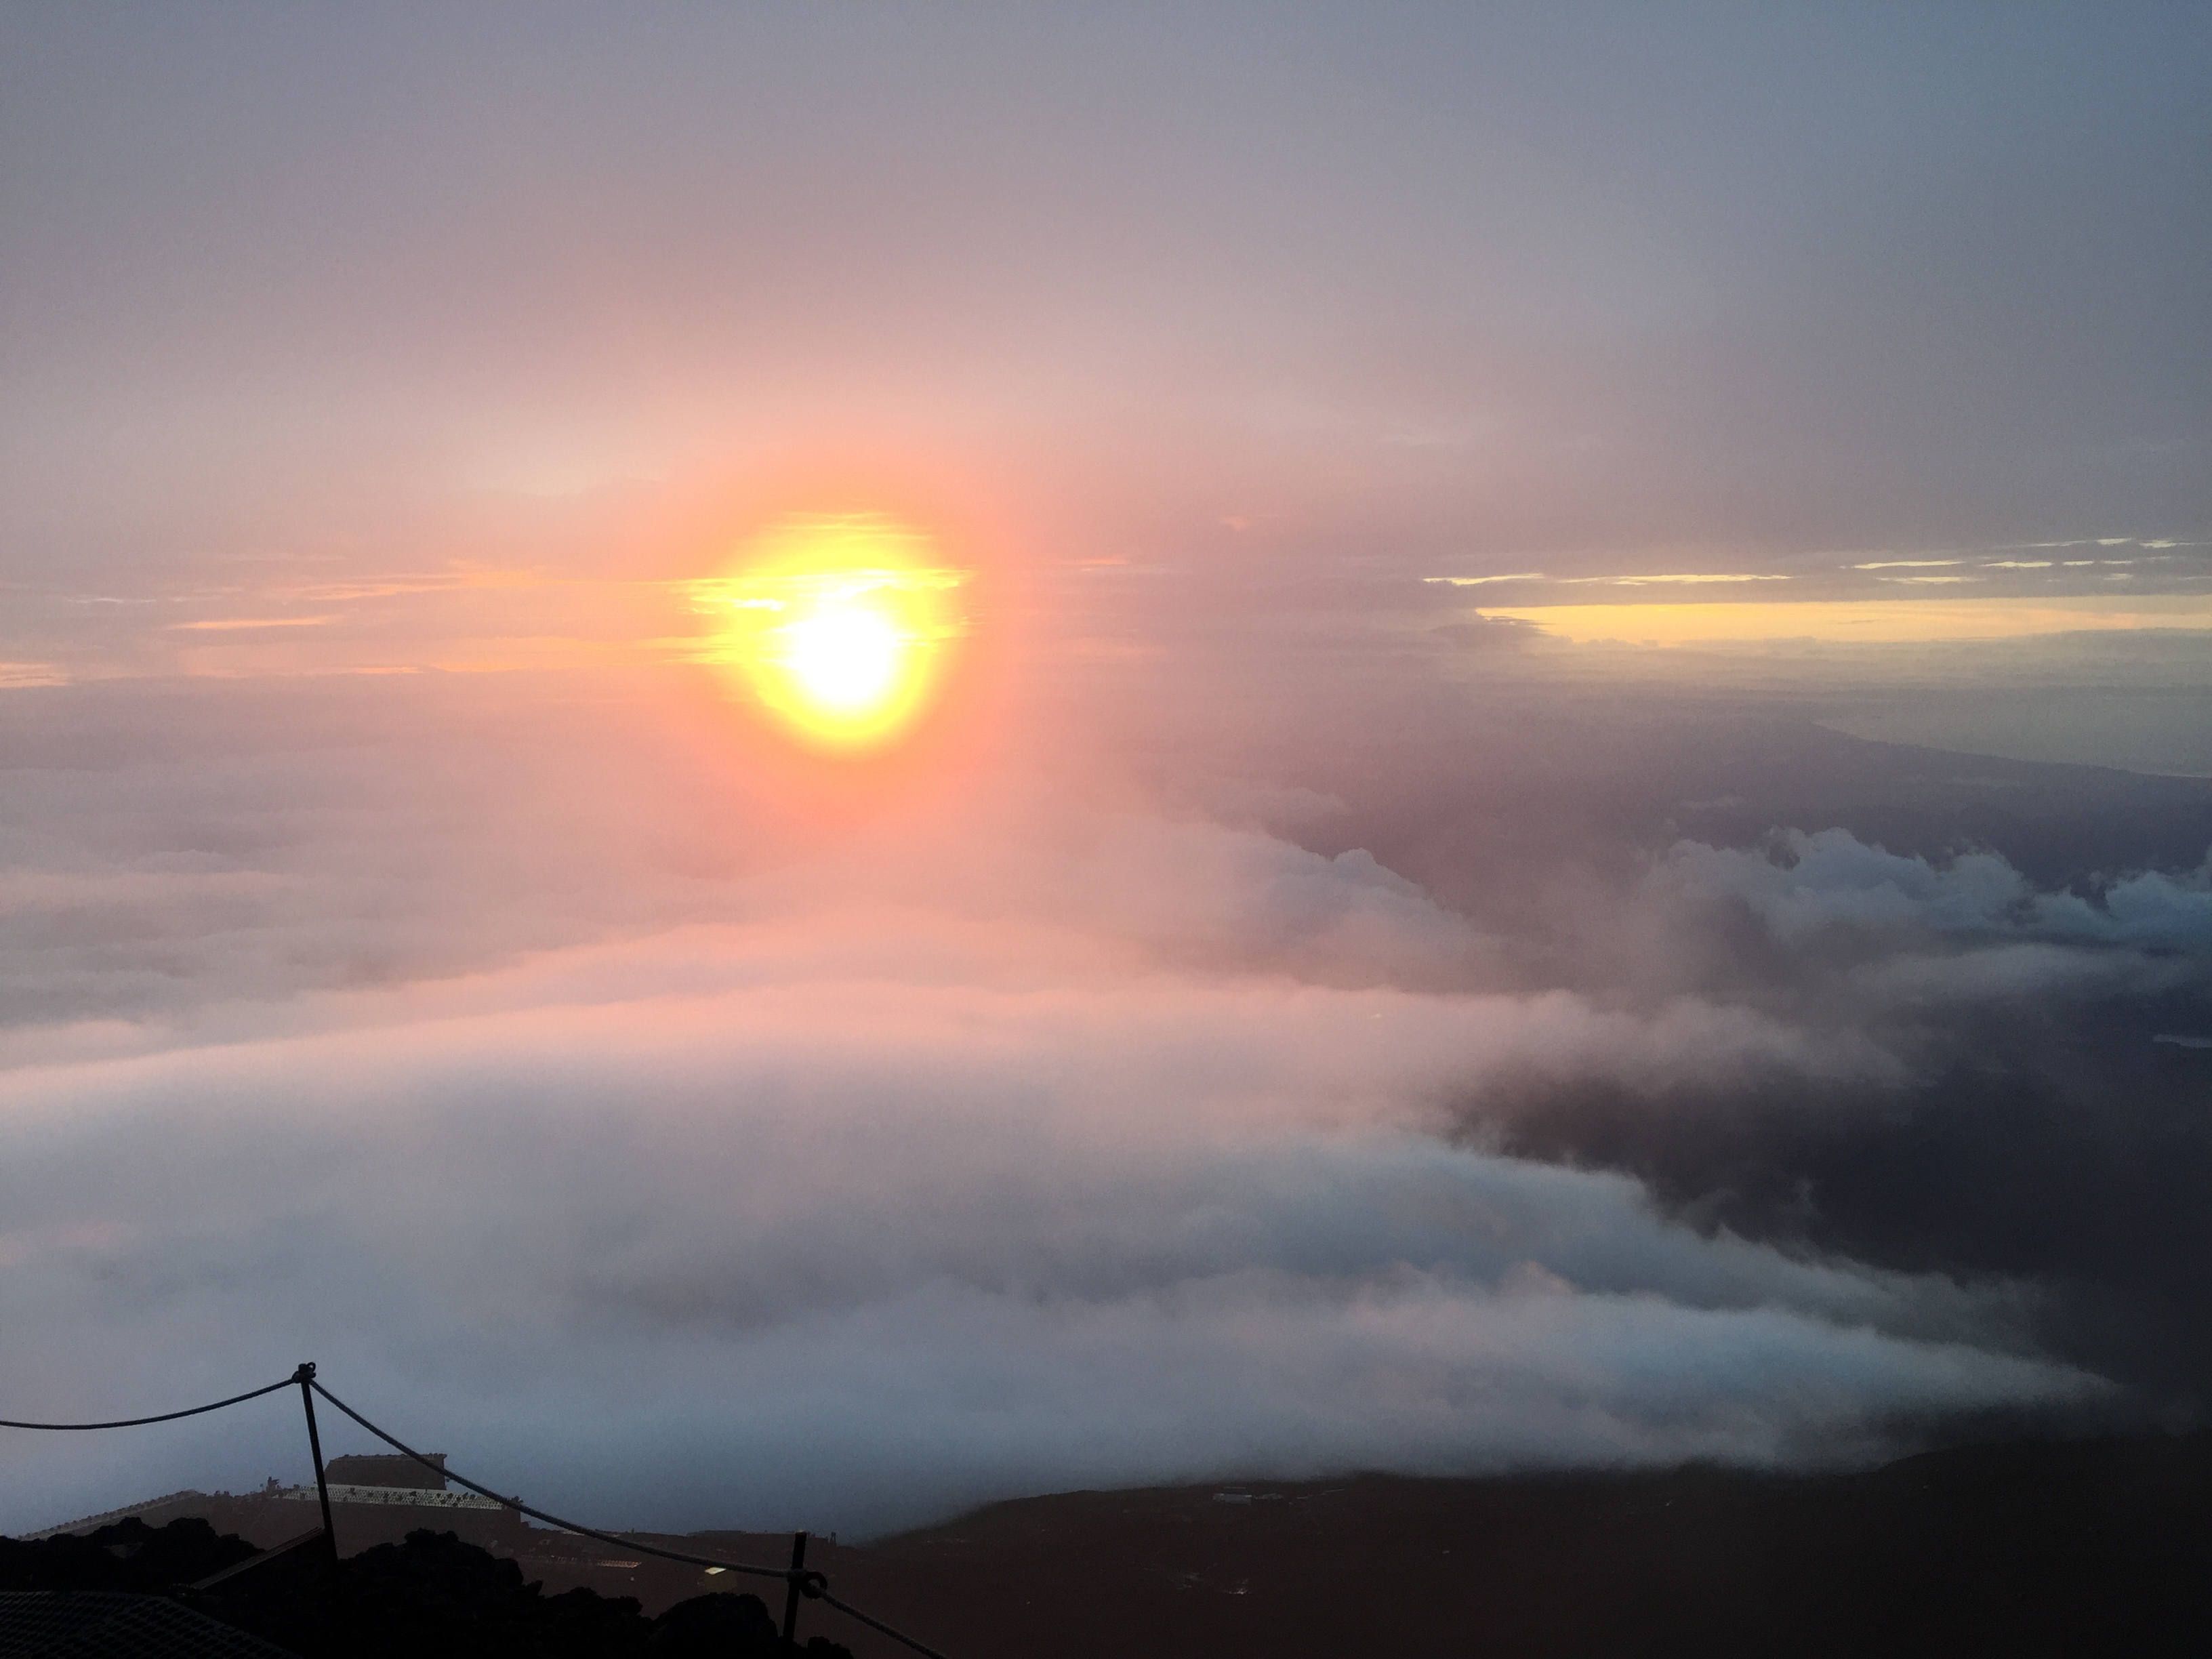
column 1808, row 882
column 1015, row 1148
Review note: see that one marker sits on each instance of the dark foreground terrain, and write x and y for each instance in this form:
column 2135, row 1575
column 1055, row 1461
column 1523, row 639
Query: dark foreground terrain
column 2091, row 1547
column 2101, row 1547
column 429, row 1594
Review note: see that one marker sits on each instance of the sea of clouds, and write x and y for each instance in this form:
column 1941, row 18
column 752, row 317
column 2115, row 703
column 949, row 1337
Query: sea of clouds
column 1020, row 1137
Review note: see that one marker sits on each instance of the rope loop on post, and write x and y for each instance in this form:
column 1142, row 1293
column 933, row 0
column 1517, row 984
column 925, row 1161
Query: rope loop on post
column 812, row 1584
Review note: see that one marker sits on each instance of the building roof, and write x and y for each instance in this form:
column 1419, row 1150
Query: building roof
column 101, row 1624
column 386, row 1469
column 170, row 1505
column 410, row 1497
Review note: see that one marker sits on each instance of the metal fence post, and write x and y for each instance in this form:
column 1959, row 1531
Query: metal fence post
column 304, row 1376
column 791, row 1588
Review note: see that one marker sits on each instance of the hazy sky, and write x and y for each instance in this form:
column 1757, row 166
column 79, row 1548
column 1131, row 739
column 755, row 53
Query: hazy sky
column 1335, row 984
column 1601, row 286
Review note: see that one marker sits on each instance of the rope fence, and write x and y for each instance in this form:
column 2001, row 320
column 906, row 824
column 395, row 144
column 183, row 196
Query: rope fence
column 800, row 1580
column 136, row 1422
column 519, row 1507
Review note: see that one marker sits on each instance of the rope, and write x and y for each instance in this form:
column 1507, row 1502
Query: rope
column 166, row 1417
column 814, row 1586
column 852, row 1612
column 517, row 1505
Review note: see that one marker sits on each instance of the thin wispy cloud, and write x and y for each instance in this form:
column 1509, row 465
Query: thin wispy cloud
column 1684, row 578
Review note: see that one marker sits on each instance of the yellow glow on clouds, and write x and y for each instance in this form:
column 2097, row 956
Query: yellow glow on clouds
column 1874, row 621
column 841, row 626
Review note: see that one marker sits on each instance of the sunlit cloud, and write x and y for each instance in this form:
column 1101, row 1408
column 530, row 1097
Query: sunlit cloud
column 1870, row 621
column 399, row 586
column 1685, row 577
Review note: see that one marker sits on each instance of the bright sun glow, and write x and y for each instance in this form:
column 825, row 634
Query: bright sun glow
column 842, row 626
column 846, row 657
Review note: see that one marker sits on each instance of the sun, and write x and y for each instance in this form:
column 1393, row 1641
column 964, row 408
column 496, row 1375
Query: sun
column 842, row 626
column 845, row 659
